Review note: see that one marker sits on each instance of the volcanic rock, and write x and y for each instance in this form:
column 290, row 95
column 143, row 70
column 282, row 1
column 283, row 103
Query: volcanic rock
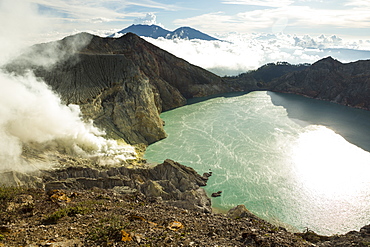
column 239, row 211
column 121, row 84
column 216, row 194
column 329, row 79
column 170, row 181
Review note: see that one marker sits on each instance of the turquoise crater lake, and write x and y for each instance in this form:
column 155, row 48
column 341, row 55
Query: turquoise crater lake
column 289, row 159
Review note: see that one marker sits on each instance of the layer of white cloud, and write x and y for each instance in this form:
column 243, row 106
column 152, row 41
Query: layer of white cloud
column 239, row 53
column 296, row 16
column 268, row 3
column 358, row 3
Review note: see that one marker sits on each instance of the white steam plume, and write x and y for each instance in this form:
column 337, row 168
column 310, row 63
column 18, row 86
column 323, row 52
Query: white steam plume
column 48, row 54
column 30, row 112
column 19, row 22
column 149, row 19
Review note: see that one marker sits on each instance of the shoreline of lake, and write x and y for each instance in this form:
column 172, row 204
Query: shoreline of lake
column 190, row 147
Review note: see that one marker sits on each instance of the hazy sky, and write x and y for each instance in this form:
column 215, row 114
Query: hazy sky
column 314, row 17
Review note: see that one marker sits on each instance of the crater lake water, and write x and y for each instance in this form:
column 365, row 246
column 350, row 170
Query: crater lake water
column 291, row 160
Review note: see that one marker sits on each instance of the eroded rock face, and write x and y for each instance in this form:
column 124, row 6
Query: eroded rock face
column 329, row 79
column 170, row 181
column 179, row 185
column 122, row 84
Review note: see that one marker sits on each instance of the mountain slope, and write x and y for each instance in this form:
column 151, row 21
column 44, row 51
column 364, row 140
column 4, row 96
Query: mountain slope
column 329, row 79
column 189, row 33
column 260, row 78
column 154, row 31
column 122, row 84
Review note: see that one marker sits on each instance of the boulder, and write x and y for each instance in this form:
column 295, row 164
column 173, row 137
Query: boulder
column 216, row 194
column 239, row 211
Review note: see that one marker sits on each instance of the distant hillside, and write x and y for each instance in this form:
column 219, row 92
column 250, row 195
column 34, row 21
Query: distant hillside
column 154, row 31
column 328, row 79
column 261, row 77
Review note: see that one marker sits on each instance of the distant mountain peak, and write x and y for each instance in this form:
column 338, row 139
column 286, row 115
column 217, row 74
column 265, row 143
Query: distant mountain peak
column 154, row 31
column 329, row 61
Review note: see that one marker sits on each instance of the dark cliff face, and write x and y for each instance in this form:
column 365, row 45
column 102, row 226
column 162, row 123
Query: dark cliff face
column 122, row 84
column 329, row 79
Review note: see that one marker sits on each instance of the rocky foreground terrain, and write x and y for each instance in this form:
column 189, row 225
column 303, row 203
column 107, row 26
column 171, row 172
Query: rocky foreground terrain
column 78, row 204
column 123, row 85
column 99, row 217
column 110, row 217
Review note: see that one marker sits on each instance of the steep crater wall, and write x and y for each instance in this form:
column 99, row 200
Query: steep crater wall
column 122, row 84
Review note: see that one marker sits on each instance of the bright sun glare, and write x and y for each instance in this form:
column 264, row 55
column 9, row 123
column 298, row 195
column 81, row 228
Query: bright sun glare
column 327, row 165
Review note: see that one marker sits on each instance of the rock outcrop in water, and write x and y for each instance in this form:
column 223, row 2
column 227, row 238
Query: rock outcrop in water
column 328, row 79
column 122, row 84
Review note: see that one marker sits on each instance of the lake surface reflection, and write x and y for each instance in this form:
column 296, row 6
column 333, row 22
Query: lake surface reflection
column 289, row 159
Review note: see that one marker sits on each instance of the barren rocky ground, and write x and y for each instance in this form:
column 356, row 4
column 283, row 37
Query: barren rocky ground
column 32, row 217
column 98, row 217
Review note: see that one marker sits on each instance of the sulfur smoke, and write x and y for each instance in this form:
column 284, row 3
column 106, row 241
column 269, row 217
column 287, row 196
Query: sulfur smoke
column 31, row 114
